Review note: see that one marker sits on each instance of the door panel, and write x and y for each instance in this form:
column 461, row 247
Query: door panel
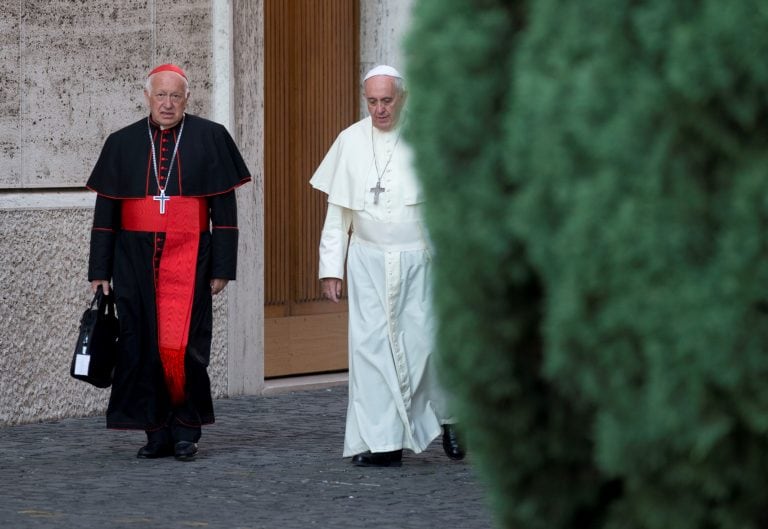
column 311, row 94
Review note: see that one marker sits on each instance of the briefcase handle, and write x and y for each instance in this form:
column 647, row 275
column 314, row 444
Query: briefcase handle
column 100, row 299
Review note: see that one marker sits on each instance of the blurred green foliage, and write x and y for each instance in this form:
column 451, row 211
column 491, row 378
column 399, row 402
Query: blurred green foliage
column 597, row 183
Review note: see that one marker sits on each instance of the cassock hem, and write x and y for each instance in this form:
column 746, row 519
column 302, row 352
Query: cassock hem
column 145, row 427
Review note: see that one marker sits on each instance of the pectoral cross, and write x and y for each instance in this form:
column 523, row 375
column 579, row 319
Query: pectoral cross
column 377, row 191
column 162, row 198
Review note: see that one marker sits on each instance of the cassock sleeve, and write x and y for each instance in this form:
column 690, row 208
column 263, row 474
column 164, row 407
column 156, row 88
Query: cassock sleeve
column 106, row 223
column 333, row 241
column 224, row 235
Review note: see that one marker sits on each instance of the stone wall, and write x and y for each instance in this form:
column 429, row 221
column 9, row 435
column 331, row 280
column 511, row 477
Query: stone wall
column 43, row 262
column 383, row 24
column 70, row 73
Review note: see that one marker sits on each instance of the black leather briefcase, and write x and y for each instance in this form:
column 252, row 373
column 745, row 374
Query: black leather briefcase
column 95, row 352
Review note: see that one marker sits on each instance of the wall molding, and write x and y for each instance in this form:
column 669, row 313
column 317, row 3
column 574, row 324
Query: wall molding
column 25, row 200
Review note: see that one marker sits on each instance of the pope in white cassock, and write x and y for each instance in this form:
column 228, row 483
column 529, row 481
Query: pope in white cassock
column 395, row 401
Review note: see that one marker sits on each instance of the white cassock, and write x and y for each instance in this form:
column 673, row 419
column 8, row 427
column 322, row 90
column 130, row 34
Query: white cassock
column 395, row 400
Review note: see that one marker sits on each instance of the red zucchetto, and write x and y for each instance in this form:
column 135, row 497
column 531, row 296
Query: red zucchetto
column 168, row 68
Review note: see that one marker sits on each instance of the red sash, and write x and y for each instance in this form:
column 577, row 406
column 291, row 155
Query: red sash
column 185, row 218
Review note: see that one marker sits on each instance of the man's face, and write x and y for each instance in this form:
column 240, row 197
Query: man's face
column 167, row 98
column 384, row 101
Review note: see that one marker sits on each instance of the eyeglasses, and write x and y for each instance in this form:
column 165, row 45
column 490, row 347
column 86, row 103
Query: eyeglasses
column 173, row 98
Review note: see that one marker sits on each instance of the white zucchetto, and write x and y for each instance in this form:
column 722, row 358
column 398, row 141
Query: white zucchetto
column 382, row 69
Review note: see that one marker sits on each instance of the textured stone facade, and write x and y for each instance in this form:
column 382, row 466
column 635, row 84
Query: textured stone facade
column 383, row 24
column 72, row 72
column 43, row 262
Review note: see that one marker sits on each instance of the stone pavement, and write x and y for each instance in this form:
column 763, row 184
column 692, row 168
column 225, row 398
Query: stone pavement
column 269, row 462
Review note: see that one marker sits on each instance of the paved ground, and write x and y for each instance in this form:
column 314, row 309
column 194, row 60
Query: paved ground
column 268, row 463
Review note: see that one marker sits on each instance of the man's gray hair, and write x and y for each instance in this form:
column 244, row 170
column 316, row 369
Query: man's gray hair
column 148, row 84
column 399, row 85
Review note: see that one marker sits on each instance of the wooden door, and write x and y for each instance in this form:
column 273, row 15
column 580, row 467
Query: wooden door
column 311, row 94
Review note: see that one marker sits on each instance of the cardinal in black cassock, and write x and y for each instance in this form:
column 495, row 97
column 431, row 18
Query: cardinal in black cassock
column 165, row 233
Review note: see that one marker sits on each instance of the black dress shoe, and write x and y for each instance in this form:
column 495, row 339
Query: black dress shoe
column 451, row 443
column 155, row 450
column 185, row 450
column 379, row 459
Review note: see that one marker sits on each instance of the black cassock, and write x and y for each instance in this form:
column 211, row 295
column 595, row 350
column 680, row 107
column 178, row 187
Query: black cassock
column 207, row 165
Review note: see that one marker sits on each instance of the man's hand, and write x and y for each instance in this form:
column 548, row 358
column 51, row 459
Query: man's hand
column 104, row 285
column 217, row 285
column 331, row 288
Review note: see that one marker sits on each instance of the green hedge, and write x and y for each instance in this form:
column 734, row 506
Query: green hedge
column 597, row 183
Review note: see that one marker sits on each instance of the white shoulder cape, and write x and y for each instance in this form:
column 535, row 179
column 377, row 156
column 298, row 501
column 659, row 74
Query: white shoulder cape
column 349, row 164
